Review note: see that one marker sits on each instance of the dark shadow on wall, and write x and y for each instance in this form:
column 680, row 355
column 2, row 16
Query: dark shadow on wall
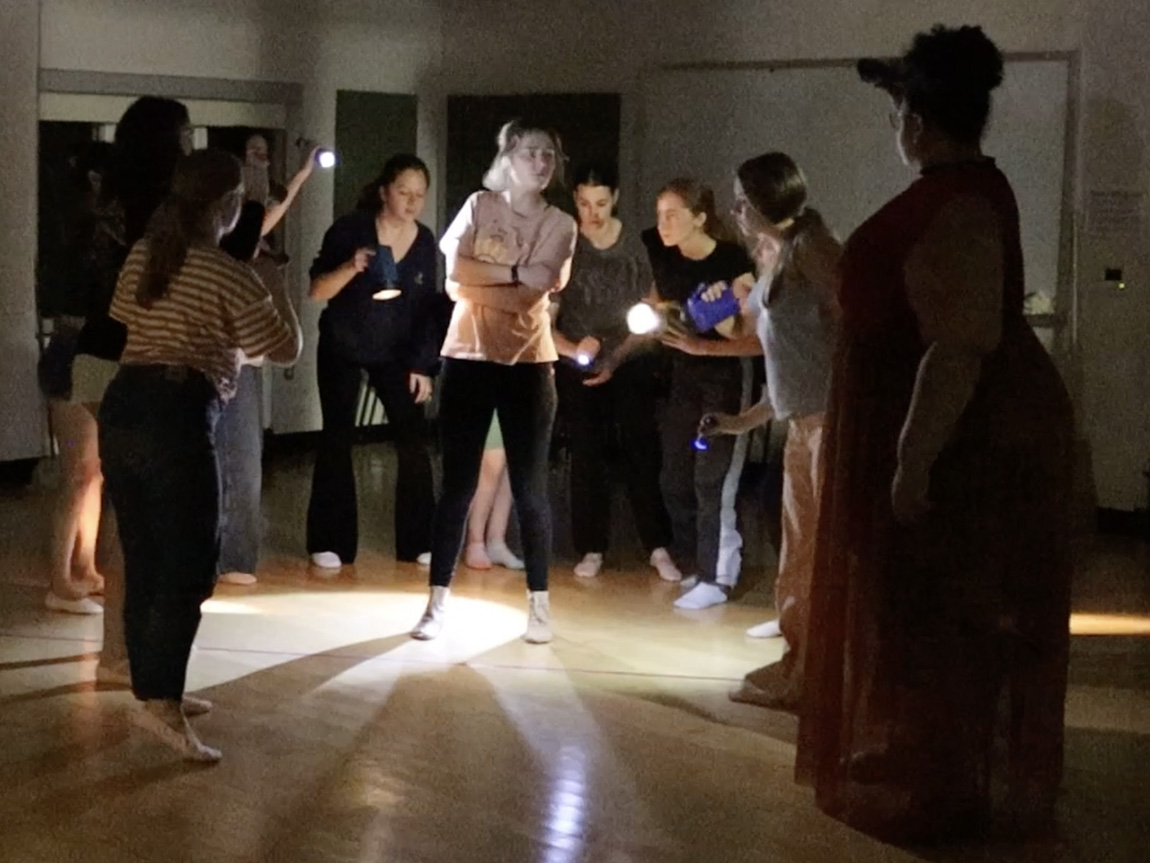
column 587, row 123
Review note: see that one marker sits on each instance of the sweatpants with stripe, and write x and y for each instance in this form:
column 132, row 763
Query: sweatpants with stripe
column 700, row 486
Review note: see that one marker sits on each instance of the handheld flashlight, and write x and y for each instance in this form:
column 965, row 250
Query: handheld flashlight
column 325, row 157
column 700, row 443
column 643, row 319
column 583, row 358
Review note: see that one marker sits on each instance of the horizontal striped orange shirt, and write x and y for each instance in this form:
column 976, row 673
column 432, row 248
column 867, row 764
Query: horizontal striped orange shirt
column 215, row 312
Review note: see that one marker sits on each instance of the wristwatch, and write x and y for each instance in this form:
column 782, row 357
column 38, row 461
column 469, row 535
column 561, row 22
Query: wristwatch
column 515, row 274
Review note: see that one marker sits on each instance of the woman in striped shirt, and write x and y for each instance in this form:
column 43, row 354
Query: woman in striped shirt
column 191, row 313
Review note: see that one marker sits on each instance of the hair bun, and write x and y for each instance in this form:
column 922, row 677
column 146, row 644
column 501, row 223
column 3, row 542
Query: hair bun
column 958, row 57
column 881, row 73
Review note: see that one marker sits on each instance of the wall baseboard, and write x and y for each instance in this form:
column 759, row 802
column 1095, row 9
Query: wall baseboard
column 1121, row 522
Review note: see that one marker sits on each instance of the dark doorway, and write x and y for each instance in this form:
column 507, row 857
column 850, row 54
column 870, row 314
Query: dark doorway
column 588, row 123
column 61, row 196
column 369, row 129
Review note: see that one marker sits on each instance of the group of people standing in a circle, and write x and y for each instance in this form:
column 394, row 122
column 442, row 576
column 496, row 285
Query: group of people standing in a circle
column 912, row 586
column 924, row 565
column 539, row 320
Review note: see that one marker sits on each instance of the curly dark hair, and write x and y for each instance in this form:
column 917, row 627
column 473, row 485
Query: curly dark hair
column 946, row 77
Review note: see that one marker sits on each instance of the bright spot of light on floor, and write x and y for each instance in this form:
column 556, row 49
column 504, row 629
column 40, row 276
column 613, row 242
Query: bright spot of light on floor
column 229, row 606
column 1109, row 624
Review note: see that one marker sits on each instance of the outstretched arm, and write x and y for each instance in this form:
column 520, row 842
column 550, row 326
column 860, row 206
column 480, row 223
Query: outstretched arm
column 276, row 212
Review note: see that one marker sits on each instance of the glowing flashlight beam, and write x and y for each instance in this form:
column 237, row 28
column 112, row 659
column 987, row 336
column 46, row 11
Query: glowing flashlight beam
column 642, row 319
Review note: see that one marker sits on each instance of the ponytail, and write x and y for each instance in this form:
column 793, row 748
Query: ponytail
column 202, row 184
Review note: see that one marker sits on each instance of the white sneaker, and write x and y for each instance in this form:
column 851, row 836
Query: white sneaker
column 83, row 605
column 326, row 560
column 661, row 560
column 165, row 721
column 689, row 583
column 589, row 566
column 424, row 560
column 770, row 629
column 500, row 555
column 538, row 618
column 243, row 579
column 431, row 624
column 702, row 595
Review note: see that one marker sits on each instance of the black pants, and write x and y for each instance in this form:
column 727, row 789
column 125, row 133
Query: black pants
column 157, row 447
column 626, row 404
column 700, row 486
column 332, row 519
column 524, row 398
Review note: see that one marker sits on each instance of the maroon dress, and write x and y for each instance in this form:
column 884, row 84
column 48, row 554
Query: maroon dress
column 917, row 632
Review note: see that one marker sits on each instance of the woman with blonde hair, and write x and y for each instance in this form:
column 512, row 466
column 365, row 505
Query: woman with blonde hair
column 507, row 251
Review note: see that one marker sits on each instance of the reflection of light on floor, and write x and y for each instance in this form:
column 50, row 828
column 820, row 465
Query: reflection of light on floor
column 352, row 623
column 229, row 606
column 1109, row 624
column 567, row 807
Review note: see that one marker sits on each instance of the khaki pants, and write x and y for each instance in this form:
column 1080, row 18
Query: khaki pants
column 802, row 483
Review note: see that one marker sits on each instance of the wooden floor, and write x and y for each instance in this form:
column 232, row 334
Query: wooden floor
column 344, row 740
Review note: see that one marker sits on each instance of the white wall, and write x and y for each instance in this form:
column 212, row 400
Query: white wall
column 22, row 429
column 513, row 46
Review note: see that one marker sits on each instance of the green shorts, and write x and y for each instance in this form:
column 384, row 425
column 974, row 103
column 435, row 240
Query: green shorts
column 494, row 435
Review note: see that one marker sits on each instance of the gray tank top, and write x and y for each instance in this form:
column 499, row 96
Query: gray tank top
column 797, row 338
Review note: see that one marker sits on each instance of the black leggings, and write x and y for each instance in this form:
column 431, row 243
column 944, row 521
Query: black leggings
column 523, row 396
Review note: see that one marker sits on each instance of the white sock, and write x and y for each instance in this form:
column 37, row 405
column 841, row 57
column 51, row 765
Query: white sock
column 589, row 566
column 661, row 560
column 769, row 629
column 702, row 595
column 500, row 555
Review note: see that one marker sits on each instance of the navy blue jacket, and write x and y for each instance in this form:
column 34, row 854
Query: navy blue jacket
column 406, row 330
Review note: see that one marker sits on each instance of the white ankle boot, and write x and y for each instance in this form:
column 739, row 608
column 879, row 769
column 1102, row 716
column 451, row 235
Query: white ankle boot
column 538, row 617
column 431, row 624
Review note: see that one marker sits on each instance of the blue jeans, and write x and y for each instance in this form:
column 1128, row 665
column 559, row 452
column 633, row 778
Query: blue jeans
column 239, row 447
column 157, row 447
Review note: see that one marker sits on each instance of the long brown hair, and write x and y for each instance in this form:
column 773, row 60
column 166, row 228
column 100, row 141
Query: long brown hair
column 777, row 188
column 699, row 198
column 202, row 184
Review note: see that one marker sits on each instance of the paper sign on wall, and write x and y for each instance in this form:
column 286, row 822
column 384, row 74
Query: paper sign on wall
column 1114, row 213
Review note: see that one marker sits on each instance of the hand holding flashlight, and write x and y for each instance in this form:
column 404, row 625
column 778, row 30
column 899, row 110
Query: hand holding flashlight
column 708, row 426
column 587, row 351
column 325, row 157
column 653, row 319
column 361, row 260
